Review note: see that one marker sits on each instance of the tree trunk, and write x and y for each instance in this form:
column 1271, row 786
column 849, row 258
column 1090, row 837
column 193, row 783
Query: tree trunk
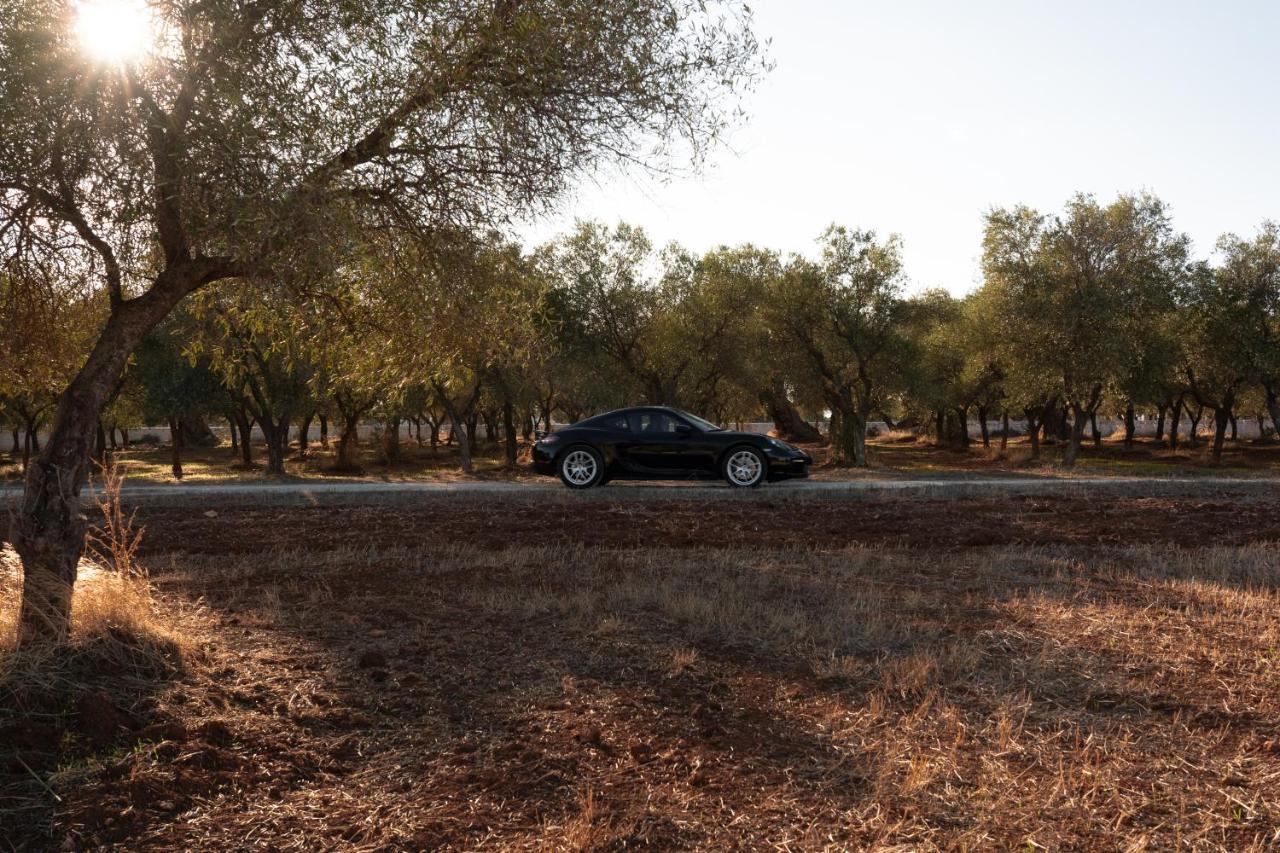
column 100, row 444
column 124, row 437
column 277, row 445
column 348, row 444
column 1235, row 426
column 787, row 422
column 472, row 421
column 463, row 435
column 1033, row 430
column 434, row 435
column 1161, row 409
column 235, row 436
column 324, row 431
column 195, row 431
column 509, row 427
column 1130, row 425
column 1076, row 436
column 1093, row 426
column 940, row 427
column 1273, row 409
column 1193, row 434
column 246, row 437
column 848, row 434
column 1175, row 422
column 1004, row 434
column 304, row 435
column 175, row 448
column 16, row 434
column 391, row 440
column 962, row 428
column 48, row 528
column 491, row 428
column 982, row 425
column 1222, row 419
column 246, row 441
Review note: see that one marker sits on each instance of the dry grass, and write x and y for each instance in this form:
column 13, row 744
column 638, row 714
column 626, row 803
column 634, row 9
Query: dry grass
column 594, row 698
column 459, row 691
column 116, row 623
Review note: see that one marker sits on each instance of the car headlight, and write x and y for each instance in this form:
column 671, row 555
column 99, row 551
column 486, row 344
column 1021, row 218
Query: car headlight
column 780, row 445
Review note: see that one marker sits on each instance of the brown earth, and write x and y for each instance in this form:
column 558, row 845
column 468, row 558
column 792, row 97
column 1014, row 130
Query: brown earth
column 677, row 523
column 1067, row 673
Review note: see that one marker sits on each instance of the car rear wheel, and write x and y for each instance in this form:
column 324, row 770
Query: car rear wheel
column 581, row 468
column 744, row 467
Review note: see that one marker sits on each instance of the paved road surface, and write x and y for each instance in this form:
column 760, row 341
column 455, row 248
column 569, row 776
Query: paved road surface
column 931, row 486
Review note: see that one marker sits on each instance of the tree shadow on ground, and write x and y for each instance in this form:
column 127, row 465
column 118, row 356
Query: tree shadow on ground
column 680, row 698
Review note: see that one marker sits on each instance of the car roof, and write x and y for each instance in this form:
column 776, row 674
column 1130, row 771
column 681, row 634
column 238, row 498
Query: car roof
column 632, row 410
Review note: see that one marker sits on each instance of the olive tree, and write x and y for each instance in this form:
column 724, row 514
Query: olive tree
column 841, row 318
column 1074, row 292
column 256, row 139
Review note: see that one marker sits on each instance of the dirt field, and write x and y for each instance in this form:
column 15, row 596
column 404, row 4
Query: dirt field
column 1064, row 673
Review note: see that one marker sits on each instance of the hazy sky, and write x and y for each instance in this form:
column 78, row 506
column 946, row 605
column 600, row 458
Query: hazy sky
column 916, row 116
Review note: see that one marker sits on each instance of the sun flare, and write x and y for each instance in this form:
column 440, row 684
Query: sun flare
column 115, row 31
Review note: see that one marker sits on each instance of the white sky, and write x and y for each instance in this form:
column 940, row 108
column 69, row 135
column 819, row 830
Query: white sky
column 916, row 116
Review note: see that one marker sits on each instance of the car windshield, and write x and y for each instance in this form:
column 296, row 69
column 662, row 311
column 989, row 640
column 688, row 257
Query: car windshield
column 704, row 425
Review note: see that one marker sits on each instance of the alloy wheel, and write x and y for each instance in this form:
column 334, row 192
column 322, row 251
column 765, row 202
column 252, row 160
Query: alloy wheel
column 744, row 468
column 579, row 467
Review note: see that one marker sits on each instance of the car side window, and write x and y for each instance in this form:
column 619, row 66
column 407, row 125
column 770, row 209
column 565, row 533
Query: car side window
column 617, row 422
column 653, row 423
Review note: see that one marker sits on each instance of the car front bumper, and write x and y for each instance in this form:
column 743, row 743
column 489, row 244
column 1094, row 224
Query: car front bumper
column 544, row 458
column 788, row 465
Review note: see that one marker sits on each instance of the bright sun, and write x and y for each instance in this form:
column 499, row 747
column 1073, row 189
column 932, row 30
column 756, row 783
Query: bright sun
column 115, row 31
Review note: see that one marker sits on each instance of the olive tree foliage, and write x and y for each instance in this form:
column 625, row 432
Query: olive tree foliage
column 172, row 385
column 951, row 371
column 679, row 328
column 1249, row 272
column 1232, row 324
column 256, row 139
column 458, row 314
column 841, row 318
column 1074, row 292
column 45, row 330
column 266, row 351
column 737, row 369
column 606, row 305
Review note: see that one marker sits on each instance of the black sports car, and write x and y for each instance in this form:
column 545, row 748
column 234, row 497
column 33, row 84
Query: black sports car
column 658, row 443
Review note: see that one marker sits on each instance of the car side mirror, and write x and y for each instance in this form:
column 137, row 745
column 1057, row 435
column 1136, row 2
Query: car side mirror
column 684, row 430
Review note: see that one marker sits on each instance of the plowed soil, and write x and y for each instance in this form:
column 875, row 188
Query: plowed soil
column 459, row 674
column 675, row 523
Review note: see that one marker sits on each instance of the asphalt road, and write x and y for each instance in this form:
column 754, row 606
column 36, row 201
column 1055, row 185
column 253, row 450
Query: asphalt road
column 990, row 486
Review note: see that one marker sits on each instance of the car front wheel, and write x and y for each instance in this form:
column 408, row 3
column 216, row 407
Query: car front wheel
column 581, row 468
column 744, row 467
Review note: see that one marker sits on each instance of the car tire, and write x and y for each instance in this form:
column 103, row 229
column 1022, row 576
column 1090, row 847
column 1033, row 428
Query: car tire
column 744, row 467
column 580, row 467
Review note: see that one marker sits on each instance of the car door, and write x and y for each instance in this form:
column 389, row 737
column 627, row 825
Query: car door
column 663, row 445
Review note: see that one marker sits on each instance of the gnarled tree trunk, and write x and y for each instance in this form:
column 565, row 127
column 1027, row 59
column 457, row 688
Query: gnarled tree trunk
column 48, row 527
column 787, row 422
